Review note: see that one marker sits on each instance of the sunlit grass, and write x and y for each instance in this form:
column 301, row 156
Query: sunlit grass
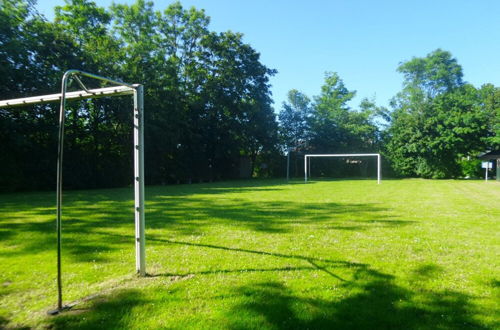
column 259, row 254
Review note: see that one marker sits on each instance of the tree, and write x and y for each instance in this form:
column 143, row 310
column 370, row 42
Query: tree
column 490, row 100
column 329, row 124
column 294, row 119
column 207, row 101
column 437, row 119
column 434, row 74
column 338, row 128
column 27, row 135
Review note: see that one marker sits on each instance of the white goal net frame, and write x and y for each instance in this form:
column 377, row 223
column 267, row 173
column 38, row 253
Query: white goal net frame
column 307, row 162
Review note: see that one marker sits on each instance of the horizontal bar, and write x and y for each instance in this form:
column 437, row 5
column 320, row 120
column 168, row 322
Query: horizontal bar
column 78, row 95
column 341, row 155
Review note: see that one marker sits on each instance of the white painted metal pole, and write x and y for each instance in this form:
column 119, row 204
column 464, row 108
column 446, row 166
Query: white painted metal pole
column 486, row 173
column 379, row 172
column 140, row 236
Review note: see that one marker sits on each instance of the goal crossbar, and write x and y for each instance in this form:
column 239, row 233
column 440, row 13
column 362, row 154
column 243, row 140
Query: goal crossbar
column 121, row 88
column 307, row 164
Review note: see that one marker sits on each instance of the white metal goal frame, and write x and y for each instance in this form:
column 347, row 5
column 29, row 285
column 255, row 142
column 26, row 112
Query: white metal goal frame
column 120, row 88
column 307, row 163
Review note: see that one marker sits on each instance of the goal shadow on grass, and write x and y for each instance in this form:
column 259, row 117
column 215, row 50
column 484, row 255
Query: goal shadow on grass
column 315, row 263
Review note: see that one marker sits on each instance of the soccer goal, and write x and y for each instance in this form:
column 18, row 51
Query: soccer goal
column 307, row 162
column 120, row 88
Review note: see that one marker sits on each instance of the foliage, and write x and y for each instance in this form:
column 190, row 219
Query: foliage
column 427, row 77
column 208, row 104
column 471, row 168
column 207, row 100
column 490, row 97
column 437, row 119
column 329, row 125
column 294, row 120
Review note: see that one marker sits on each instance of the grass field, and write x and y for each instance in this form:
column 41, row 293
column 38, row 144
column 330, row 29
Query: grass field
column 406, row 254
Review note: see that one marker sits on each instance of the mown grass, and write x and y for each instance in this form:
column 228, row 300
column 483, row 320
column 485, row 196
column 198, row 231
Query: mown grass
column 406, row 254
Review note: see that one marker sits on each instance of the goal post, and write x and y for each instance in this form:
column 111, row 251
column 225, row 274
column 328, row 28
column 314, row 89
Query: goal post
column 119, row 89
column 307, row 162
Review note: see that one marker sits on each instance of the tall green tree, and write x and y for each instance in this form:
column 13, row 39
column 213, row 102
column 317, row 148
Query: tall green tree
column 335, row 126
column 490, row 101
column 294, row 119
column 27, row 135
column 437, row 73
column 437, row 119
column 330, row 125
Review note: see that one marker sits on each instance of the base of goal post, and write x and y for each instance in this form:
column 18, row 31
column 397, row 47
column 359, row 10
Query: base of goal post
column 58, row 311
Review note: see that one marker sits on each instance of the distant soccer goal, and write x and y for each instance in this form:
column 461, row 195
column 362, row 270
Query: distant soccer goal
column 307, row 162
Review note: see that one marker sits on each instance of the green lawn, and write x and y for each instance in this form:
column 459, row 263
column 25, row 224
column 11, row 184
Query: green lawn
column 406, row 254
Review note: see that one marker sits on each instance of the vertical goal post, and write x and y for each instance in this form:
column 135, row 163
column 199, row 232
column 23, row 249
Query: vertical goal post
column 119, row 89
column 307, row 162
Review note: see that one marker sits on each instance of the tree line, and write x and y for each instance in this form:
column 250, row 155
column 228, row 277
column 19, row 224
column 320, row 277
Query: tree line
column 209, row 110
column 435, row 127
column 207, row 95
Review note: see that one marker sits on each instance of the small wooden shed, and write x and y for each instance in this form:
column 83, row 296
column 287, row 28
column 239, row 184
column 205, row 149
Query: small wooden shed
column 492, row 156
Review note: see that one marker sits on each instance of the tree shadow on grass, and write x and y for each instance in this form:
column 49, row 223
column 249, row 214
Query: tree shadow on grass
column 105, row 211
column 3, row 322
column 235, row 186
column 368, row 299
column 374, row 301
column 111, row 311
column 76, row 234
column 362, row 225
column 193, row 215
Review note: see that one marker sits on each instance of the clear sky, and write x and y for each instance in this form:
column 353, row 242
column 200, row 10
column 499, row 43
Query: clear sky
column 363, row 40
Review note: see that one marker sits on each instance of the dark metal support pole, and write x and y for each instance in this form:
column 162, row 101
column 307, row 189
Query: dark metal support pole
column 498, row 169
column 60, row 151
column 305, row 168
column 288, row 165
column 309, row 167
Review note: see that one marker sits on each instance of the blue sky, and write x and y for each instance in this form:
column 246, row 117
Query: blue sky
column 364, row 41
